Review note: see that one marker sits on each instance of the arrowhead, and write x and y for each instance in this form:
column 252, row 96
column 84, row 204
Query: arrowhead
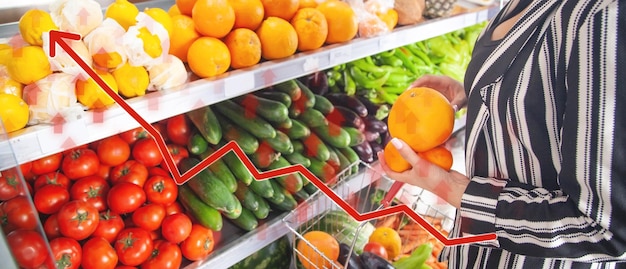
column 68, row 144
column 199, row 104
column 268, row 77
column 57, row 37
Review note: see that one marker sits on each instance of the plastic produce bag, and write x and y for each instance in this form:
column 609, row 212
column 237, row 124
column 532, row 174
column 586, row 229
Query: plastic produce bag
column 145, row 30
column 410, row 11
column 104, row 44
column 169, row 74
column 51, row 97
column 62, row 60
column 369, row 23
column 76, row 16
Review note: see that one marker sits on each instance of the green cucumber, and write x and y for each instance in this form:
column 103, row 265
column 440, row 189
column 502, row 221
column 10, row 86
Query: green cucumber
column 278, row 196
column 310, row 188
column 221, row 171
column 333, row 160
column 197, row 144
column 301, row 195
column 205, row 215
column 262, row 188
column 211, row 190
column 298, row 130
column 295, row 111
column 263, row 210
column 297, row 158
column 284, row 125
column 248, row 199
column 246, row 220
column 312, row 118
column 289, row 87
column 323, row 104
column 352, row 156
column 276, row 96
column 343, row 160
column 231, row 132
column 263, row 156
column 236, row 166
column 298, row 146
column 315, row 147
column 251, row 123
column 307, row 100
column 206, row 122
column 280, row 143
column 291, row 182
column 288, row 203
column 356, row 137
column 323, row 170
column 270, row 110
column 333, row 134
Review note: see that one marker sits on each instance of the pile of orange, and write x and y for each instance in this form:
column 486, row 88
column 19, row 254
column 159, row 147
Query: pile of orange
column 252, row 30
column 424, row 119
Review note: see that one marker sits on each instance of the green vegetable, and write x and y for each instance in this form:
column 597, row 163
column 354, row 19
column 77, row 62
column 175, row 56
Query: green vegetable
column 205, row 215
column 206, row 122
column 275, row 255
column 417, row 259
column 344, row 228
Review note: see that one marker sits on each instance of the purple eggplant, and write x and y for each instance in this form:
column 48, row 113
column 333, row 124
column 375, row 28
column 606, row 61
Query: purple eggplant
column 376, row 147
column 343, row 116
column 317, row 82
column 373, row 108
column 373, row 261
column 371, row 136
column 354, row 262
column 351, row 102
column 372, row 124
column 385, row 137
column 364, row 150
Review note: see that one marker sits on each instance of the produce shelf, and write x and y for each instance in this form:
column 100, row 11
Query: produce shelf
column 41, row 140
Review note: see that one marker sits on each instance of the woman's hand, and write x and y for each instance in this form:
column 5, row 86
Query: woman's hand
column 450, row 88
column 449, row 186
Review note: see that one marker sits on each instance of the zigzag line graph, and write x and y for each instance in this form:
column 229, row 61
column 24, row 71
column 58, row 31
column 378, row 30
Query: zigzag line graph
column 57, row 37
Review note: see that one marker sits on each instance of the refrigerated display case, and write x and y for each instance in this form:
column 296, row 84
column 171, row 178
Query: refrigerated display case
column 42, row 140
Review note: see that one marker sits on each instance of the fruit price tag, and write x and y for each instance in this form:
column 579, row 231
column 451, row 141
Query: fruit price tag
column 341, row 55
column 238, row 84
column 389, row 41
column 311, row 64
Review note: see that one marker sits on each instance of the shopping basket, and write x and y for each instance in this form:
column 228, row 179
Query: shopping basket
column 360, row 195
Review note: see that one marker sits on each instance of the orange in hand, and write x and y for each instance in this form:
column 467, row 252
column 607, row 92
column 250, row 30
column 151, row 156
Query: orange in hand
column 439, row 156
column 394, row 160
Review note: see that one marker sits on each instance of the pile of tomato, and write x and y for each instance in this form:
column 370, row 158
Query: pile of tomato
column 108, row 204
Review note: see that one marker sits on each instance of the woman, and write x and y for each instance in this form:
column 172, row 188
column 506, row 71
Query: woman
column 545, row 139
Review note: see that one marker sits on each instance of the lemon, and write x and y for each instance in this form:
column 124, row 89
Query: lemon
column 28, row 64
column 13, row 112
column 131, row 80
column 5, row 54
column 173, row 10
column 91, row 95
column 33, row 24
column 162, row 17
column 123, row 12
column 151, row 43
column 10, row 86
column 108, row 59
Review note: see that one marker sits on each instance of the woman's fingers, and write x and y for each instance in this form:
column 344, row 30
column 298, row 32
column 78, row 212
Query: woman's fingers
column 405, row 151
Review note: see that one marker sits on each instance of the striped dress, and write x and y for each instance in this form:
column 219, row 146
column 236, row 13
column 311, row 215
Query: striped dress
column 546, row 140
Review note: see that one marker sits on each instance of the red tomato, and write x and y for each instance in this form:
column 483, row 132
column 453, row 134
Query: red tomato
column 161, row 128
column 176, row 227
column 198, row 244
column 67, row 252
column 125, row 197
column 113, row 151
column 19, row 213
column 26, row 170
column 177, row 152
column 104, row 171
column 54, row 178
column 147, row 152
column 28, row 248
column 133, row 246
column 109, row 226
column 161, row 190
column 47, row 164
column 130, row 171
column 149, row 217
column 125, row 267
column 78, row 219
column 174, row 208
column 165, row 255
column 91, row 189
column 376, row 248
column 10, row 185
column 50, row 198
column 80, row 163
column 51, row 227
column 158, row 171
column 98, row 254
column 131, row 136
column 179, row 129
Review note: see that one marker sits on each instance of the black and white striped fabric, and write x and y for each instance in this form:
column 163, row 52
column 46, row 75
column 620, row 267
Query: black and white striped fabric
column 546, row 140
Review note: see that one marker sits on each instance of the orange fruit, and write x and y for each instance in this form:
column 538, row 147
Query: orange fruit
column 390, row 18
column 244, row 46
column 307, row 3
column 284, row 9
column 422, row 117
column 248, row 13
column 311, row 27
column 322, row 242
column 173, row 10
column 343, row 23
column 185, row 6
column 439, row 156
column 394, row 160
column 208, row 57
column 183, row 34
column 388, row 238
column 278, row 38
column 213, row 18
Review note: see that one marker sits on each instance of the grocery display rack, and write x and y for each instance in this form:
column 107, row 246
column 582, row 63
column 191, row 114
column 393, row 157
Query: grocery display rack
column 42, row 140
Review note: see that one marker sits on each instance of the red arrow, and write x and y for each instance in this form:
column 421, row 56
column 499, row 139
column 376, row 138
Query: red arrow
column 57, row 37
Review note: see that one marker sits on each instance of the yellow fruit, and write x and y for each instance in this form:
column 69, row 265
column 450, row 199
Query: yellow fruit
column 151, row 42
column 28, row 64
column 5, row 54
column 162, row 17
column 208, row 57
column 123, row 12
column 91, row 95
column 13, row 112
column 388, row 238
column 131, row 80
column 33, row 24
column 10, row 86
column 173, row 11
column 108, row 59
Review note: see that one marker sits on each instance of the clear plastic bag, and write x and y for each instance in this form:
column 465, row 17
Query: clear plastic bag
column 369, row 23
